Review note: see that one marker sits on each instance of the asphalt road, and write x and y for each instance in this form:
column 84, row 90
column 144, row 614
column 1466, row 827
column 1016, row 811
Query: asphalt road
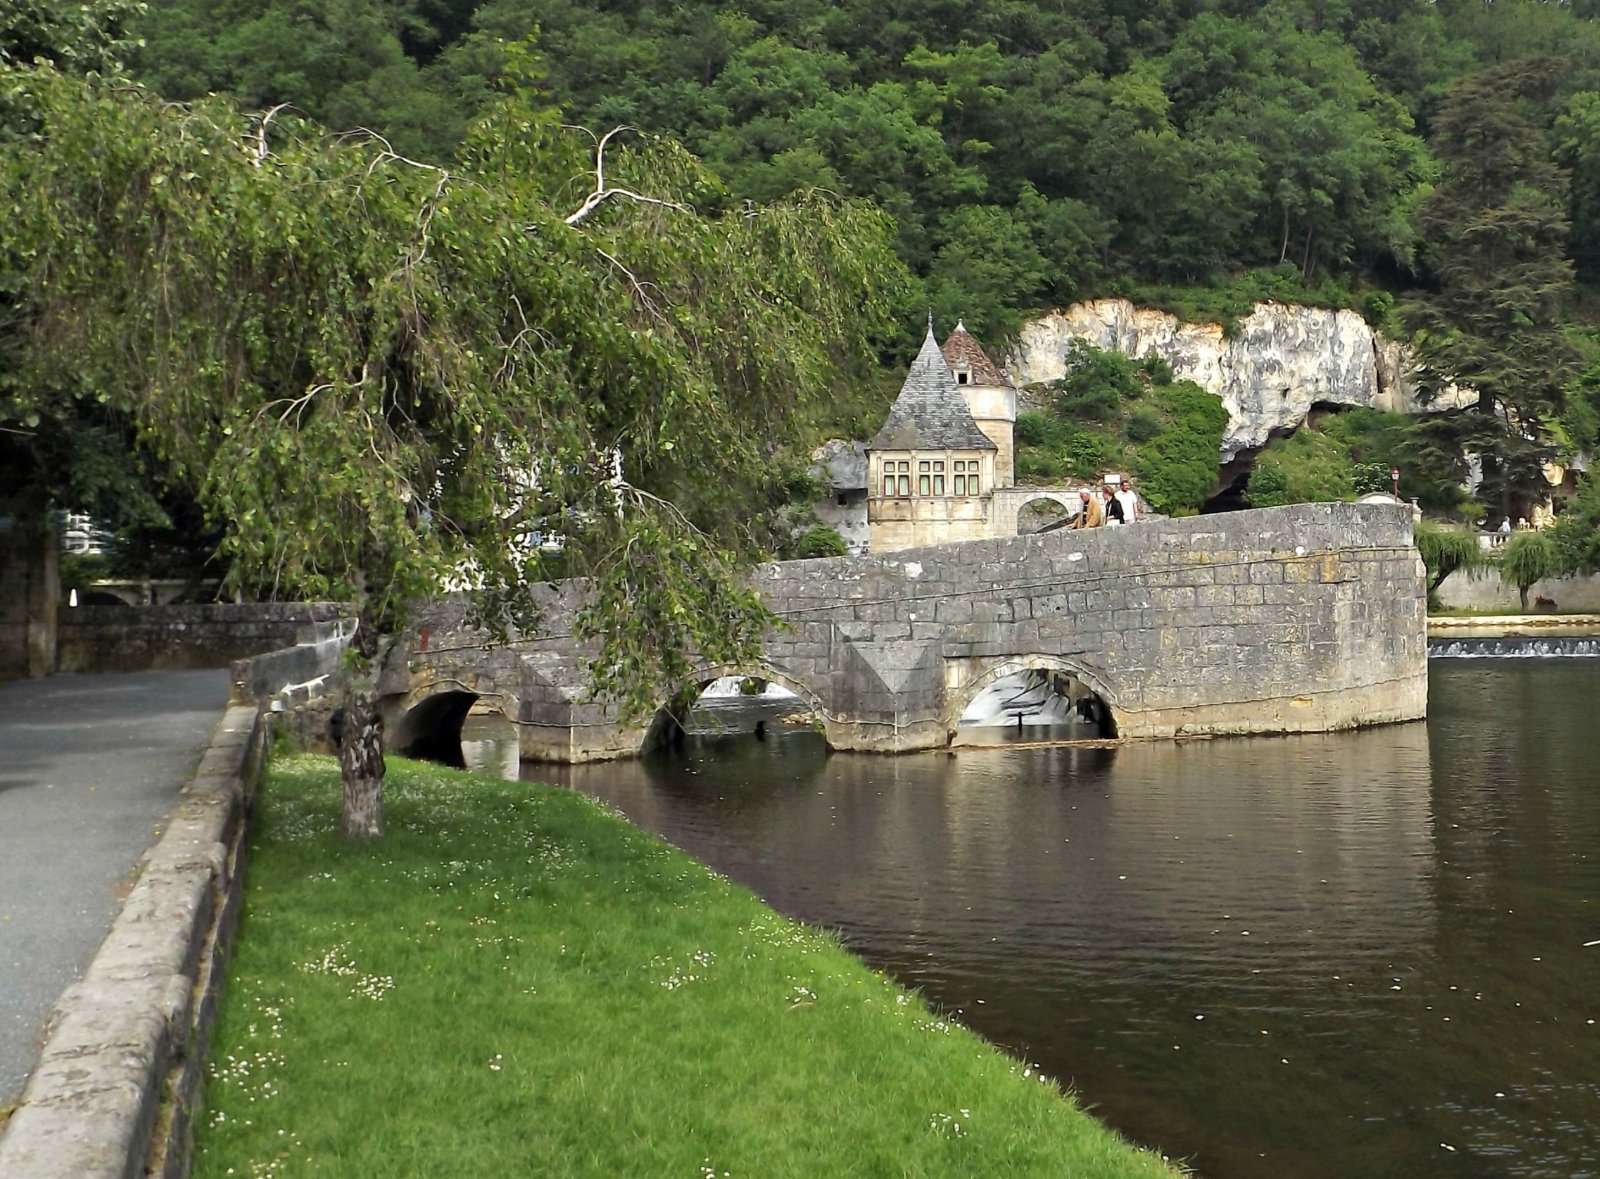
column 90, row 768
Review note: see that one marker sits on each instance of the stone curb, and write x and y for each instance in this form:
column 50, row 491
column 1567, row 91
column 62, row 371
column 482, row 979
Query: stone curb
column 1513, row 623
column 114, row 1093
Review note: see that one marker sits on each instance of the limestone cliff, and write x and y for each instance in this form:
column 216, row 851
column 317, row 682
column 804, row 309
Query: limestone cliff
column 1282, row 361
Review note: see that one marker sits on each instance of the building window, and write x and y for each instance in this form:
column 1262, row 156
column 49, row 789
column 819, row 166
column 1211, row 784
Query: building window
column 924, row 485
column 966, row 477
column 963, row 376
column 897, row 478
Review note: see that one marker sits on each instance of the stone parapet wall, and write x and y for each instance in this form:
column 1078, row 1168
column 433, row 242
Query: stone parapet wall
column 119, row 1079
column 147, row 638
column 1304, row 618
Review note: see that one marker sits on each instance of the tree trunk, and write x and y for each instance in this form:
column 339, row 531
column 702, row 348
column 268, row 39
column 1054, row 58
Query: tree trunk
column 1522, row 592
column 361, row 767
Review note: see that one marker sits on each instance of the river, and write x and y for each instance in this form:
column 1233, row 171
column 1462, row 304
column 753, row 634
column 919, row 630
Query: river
column 1357, row 954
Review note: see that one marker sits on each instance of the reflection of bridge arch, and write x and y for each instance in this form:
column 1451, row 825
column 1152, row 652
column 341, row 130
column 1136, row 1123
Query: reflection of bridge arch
column 967, row 687
column 703, row 677
column 426, row 722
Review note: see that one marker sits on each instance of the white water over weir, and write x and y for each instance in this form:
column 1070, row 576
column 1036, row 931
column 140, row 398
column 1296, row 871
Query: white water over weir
column 1553, row 647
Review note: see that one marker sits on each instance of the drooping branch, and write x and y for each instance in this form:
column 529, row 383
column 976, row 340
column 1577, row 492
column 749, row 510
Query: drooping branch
column 261, row 151
column 602, row 192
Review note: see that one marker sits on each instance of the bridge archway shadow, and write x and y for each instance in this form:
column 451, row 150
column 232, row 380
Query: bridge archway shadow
column 732, row 702
column 1040, row 698
column 430, row 730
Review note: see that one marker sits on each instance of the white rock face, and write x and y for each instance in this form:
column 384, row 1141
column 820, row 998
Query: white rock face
column 1284, row 360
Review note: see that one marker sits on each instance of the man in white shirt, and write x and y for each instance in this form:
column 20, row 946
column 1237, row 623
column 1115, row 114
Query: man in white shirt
column 1129, row 502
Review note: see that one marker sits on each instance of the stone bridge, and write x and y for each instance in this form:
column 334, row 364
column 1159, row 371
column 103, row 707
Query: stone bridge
column 1280, row 620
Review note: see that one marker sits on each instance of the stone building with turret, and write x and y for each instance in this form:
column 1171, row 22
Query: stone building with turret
column 942, row 468
column 930, row 469
column 990, row 395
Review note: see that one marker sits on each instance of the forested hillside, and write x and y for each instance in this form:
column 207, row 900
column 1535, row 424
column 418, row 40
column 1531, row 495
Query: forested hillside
column 1030, row 151
column 1432, row 163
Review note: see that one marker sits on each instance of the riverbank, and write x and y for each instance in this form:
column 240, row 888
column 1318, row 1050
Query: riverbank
column 517, row 981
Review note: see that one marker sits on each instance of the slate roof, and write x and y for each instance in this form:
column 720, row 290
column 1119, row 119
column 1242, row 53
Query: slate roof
column 930, row 413
column 960, row 346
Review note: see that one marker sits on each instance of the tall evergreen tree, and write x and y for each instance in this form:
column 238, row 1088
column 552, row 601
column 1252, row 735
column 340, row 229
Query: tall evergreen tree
column 1496, row 230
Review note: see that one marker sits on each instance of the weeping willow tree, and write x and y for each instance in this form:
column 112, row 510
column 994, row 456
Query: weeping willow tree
column 1529, row 557
column 381, row 377
column 1448, row 550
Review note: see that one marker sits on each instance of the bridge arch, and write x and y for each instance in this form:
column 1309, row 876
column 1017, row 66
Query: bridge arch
column 964, row 689
column 426, row 722
column 1011, row 502
column 659, row 728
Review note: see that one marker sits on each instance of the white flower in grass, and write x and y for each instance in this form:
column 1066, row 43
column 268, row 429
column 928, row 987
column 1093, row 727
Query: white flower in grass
column 954, row 1125
column 373, row 986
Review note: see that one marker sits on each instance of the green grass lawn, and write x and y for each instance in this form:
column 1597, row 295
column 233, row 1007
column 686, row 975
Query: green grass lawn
column 519, row 982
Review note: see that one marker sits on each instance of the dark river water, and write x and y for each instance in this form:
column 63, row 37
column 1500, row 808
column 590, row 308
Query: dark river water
column 1358, row 954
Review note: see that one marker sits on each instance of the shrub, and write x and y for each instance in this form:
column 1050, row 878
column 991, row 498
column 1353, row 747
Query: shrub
column 1032, row 429
column 1377, row 307
column 1156, row 370
column 1095, row 383
column 1268, row 486
column 1141, row 426
column 1178, row 468
column 820, row 541
column 1033, row 466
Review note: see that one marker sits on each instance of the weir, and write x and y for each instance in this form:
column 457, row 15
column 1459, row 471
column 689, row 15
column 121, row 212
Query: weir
column 1296, row 619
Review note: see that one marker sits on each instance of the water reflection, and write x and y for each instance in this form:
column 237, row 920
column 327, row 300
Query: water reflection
column 1350, row 954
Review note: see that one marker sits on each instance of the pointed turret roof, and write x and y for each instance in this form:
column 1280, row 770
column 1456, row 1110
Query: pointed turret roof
column 961, row 348
column 930, row 413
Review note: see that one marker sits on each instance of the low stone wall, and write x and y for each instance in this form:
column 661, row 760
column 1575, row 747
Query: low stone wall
column 116, row 1087
column 151, row 638
column 1483, row 590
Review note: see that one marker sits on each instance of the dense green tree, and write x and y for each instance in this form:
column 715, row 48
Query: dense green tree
column 1577, row 133
column 1184, row 141
column 1496, row 231
column 61, row 448
column 384, row 376
column 1337, row 157
column 1577, row 531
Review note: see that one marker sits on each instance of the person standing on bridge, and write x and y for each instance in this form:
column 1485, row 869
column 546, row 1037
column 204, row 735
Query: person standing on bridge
column 1111, row 508
column 1089, row 514
column 1129, row 502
